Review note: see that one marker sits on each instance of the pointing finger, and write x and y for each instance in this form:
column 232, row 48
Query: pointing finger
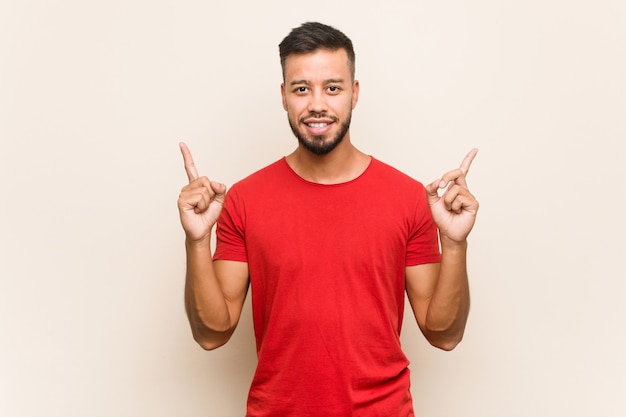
column 190, row 166
column 465, row 165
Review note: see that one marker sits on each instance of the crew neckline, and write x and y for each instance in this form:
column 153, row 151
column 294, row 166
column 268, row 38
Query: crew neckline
column 338, row 184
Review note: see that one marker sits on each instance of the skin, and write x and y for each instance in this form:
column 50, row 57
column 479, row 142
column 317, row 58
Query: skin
column 319, row 95
column 439, row 293
column 319, row 88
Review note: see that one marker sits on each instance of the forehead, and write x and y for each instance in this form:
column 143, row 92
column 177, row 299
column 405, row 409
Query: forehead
column 322, row 64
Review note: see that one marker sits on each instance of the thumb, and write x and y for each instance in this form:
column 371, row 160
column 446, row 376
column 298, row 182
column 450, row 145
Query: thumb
column 219, row 189
column 432, row 192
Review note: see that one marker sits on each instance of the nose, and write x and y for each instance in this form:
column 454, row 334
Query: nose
column 317, row 102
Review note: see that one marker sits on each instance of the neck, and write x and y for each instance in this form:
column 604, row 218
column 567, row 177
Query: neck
column 342, row 164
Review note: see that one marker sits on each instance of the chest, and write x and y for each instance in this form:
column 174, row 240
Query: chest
column 336, row 227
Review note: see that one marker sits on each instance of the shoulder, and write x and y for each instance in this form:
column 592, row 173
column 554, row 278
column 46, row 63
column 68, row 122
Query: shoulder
column 263, row 183
column 396, row 187
column 392, row 176
column 273, row 172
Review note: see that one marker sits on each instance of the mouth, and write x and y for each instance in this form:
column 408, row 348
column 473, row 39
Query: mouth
column 318, row 129
column 318, row 126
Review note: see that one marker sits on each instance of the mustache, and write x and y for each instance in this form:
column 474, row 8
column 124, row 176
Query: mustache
column 314, row 115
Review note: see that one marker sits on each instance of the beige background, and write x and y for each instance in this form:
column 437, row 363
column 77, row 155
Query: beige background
column 94, row 97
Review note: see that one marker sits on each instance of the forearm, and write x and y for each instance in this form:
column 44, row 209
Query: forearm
column 449, row 306
column 206, row 306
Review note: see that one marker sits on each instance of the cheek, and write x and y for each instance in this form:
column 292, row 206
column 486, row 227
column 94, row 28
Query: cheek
column 349, row 105
column 293, row 107
column 291, row 115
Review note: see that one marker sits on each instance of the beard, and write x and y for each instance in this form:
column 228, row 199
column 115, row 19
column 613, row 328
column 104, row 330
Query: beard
column 317, row 143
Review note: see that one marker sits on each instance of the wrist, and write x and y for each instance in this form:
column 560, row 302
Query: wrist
column 449, row 244
column 203, row 243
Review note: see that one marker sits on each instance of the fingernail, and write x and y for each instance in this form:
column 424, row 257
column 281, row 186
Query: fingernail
column 442, row 184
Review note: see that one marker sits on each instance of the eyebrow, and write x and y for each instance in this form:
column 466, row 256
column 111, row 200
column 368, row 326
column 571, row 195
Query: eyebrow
column 329, row 81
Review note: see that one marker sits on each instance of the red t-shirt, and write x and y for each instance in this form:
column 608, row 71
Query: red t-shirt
column 327, row 275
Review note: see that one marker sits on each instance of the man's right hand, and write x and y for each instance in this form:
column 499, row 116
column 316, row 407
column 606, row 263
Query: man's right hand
column 200, row 202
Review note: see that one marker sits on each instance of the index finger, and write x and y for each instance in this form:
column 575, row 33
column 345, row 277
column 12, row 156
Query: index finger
column 190, row 166
column 465, row 165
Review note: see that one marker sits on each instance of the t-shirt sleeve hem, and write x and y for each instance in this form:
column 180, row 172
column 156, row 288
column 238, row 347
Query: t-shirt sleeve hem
column 225, row 256
column 423, row 260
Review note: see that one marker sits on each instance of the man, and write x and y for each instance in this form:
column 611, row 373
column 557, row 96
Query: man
column 329, row 239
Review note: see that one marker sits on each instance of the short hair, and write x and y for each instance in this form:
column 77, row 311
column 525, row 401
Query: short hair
column 312, row 36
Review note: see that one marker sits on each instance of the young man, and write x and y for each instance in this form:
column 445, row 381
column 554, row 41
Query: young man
column 329, row 239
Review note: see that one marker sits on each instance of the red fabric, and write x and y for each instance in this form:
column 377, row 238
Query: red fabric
column 327, row 266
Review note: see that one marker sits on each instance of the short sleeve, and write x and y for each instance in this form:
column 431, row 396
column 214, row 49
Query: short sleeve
column 230, row 242
column 423, row 243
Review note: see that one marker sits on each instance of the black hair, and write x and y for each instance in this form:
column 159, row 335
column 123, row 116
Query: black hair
column 312, row 36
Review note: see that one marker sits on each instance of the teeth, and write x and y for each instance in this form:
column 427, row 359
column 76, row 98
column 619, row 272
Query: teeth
column 318, row 125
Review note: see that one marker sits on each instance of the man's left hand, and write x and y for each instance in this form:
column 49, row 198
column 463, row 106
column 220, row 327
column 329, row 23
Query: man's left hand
column 454, row 212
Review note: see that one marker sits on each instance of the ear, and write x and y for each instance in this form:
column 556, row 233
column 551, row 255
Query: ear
column 355, row 93
column 282, row 94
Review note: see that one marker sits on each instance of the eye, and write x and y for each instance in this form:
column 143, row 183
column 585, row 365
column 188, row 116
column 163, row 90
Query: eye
column 333, row 89
column 301, row 90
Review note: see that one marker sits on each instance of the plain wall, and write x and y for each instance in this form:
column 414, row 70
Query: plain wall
column 94, row 97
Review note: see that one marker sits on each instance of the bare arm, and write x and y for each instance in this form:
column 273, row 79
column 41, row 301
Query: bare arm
column 440, row 299
column 439, row 293
column 214, row 291
column 214, row 295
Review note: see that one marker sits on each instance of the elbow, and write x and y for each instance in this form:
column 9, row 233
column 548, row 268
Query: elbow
column 445, row 343
column 209, row 344
column 207, row 333
column 209, row 339
column 213, row 341
column 446, row 334
column 445, row 339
